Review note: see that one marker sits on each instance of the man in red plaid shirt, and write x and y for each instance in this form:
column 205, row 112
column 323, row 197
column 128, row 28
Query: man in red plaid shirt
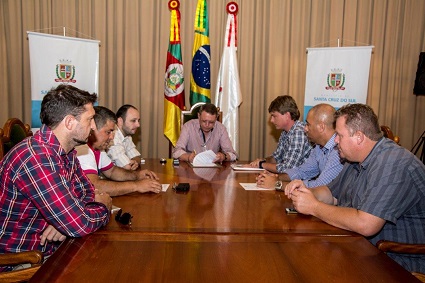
column 44, row 194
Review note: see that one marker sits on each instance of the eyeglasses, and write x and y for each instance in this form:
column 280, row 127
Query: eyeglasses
column 124, row 219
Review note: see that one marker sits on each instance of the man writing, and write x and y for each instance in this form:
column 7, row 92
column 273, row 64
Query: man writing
column 380, row 193
column 293, row 146
column 122, row 151
column 204, row 133
column 323, row 163
column 95, row 161
column 45, row 195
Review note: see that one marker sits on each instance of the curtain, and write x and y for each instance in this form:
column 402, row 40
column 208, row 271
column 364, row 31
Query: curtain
column 272, row 39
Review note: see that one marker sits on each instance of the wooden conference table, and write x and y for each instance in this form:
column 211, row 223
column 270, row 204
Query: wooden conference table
column 217, row 232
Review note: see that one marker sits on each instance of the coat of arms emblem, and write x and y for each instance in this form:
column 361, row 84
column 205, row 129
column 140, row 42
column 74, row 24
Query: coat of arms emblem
column 336, row 80
column 65, row 72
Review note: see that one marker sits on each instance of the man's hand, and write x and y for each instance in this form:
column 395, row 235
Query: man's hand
column 191, row 156
column 304, row 200
column 147, row 174
column 103, row 198
column 294, row 185
column 256, row 163
column 149, row 185
column 267, row 180
column 219, row 157
column 133, row 165
column 51, row 235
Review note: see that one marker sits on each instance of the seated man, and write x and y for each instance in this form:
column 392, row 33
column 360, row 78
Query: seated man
column 380, row 192
column 44, row 194
column 95, row 161
column 122, row 151
column 204, row 133
column 323, row 163
column 293, row 147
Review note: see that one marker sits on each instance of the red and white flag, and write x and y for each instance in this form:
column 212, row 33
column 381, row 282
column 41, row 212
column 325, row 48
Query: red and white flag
column 228, row 93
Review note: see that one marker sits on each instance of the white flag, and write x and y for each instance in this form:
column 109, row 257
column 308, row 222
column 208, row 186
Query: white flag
column 228, row 93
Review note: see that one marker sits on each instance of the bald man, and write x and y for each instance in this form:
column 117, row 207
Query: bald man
column 323, row 164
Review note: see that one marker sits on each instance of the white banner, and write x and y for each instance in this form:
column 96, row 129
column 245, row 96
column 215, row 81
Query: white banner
column 56, row 60
column 337, row 76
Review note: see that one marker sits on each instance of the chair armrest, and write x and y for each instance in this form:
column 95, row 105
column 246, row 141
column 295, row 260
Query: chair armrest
column 33, row 257
column 395, row 247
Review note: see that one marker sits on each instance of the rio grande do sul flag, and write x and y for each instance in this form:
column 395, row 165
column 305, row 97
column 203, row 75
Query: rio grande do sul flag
column 174, row 83
column 200, row 78
column 228, row 92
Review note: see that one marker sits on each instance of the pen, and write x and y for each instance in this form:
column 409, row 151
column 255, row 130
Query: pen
column 194, row 151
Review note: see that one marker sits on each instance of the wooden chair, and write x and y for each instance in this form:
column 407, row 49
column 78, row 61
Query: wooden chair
column 395, row 247
column 14, row 131
column 1, row 144
column 35, row 258
column 389, row 134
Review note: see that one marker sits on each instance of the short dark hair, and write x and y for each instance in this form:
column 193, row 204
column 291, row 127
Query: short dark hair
column 283, row 104
column 209, row 108
column 360, row 117
column 102, row 116
column 62, row 101
column 122, row 111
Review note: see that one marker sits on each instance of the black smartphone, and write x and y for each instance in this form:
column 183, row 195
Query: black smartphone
column 182, row 187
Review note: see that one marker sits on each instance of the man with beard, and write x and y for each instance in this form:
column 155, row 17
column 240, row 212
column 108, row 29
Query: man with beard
column 96, row 163
column 44, row 194
column 122, row 151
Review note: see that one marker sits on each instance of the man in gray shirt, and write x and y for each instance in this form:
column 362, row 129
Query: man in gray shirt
column 380, row 192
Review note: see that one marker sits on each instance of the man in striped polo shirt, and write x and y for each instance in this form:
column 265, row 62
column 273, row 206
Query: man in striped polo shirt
column 380, row 192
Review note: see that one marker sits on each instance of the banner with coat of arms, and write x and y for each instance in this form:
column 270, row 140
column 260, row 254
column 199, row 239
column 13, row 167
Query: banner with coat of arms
column 58, row 60
column 336, row 76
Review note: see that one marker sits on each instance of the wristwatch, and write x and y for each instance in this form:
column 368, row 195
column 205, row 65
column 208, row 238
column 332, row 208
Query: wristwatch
column 278, row 185
column 260, row 164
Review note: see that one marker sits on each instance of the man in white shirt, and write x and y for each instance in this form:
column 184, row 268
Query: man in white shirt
column 122, row 151
column 94, row 161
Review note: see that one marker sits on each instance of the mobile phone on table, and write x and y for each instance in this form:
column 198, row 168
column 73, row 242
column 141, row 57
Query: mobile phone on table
column 291, row 210
column 182, row 187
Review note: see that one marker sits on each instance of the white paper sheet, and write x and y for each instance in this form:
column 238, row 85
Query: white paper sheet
column 253, row 187
column 204, row 159
column 165, row 187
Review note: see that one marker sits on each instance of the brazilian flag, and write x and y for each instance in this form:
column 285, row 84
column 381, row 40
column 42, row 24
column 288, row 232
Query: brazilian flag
column 200, row 78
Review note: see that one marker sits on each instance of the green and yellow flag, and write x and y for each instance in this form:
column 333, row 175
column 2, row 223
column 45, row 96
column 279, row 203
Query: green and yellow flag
column 200, row 82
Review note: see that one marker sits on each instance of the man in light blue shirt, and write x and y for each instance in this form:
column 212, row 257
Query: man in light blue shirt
column 323, row 163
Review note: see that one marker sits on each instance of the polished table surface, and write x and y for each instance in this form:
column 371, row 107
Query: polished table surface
column 216, row 203
column 217, row 232
column 126, row 257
